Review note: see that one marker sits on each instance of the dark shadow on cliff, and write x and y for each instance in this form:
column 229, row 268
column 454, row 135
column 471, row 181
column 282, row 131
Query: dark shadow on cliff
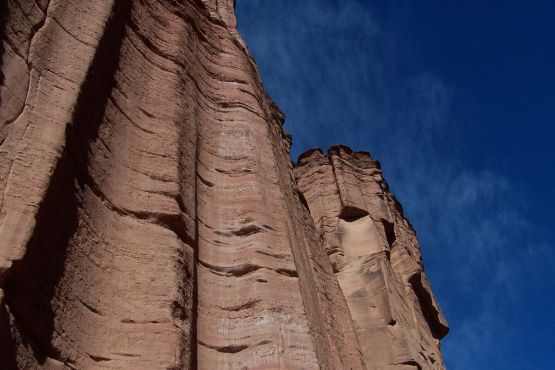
column 7, row 346
column 4, row 14
column 32, row 282
column 431, row 313
column 96, row 90
column 189, row 147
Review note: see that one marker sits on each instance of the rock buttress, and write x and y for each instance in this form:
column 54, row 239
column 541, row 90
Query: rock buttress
column 376, row 257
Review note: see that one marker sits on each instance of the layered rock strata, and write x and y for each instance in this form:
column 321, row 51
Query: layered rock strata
column 376, row 258
column 150, row 216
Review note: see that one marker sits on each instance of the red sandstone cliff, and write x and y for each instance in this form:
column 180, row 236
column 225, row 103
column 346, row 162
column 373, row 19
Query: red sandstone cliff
column 150, row 216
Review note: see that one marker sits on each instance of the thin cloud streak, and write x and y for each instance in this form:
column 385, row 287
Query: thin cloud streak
column 338, row 77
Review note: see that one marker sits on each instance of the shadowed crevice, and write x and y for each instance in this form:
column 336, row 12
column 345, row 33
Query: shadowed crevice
column 351, row 214
column 302, row 200
column 433, row 316
column 31, row 283
column 4, row 15
column 188, row 123
column 7, row 346
column 389, row 232
column 96, row 90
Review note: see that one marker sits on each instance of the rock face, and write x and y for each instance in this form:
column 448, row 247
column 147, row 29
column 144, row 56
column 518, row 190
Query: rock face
column 376, row 258
column 150, row 216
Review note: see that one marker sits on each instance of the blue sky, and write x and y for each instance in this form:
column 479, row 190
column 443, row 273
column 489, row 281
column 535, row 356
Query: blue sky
column 456, row 100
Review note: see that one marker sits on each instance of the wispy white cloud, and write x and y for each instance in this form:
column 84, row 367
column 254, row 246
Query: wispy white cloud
column 335, row 71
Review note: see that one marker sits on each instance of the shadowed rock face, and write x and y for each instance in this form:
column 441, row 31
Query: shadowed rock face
column 150, row 216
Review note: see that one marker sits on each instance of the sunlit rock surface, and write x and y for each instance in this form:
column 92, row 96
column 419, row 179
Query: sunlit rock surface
column 150, row 217
column 376, row 258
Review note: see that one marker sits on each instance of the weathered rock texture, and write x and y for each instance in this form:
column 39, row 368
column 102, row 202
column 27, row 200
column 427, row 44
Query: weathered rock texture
column 150, row 216
column 376, row 258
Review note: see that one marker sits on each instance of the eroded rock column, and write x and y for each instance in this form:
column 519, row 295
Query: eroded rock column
column 376, row 258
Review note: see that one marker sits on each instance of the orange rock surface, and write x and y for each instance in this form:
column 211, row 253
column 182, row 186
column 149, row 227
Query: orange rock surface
column 150, row 217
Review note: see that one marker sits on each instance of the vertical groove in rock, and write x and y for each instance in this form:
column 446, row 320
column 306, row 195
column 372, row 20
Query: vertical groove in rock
column 326, row 307
column 150, row 216
column 4, row 16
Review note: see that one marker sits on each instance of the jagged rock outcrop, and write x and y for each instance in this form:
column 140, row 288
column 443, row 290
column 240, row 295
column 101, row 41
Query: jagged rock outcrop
column 376, row 257
column 150, row 216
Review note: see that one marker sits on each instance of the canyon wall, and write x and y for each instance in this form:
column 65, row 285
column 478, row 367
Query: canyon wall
column 150, row 217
